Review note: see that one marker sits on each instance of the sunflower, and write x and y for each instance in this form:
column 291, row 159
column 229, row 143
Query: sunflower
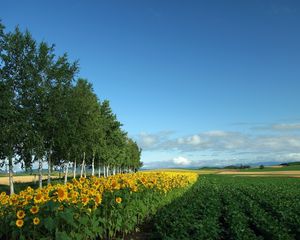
column 69, row 186
column 21, row 214
column 4, row 201
column 82, row 180
column 114, row 185
column 28, row 197
column 98, row 199
column 34, row 209
column 85, row 200
column 134, row 189
column 38, row 198
column 61, row 194
column 36, row 221
column 118, row 200
column 96, row 183
column 20, row 223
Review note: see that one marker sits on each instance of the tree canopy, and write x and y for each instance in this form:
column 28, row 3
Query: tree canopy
column 48, row 114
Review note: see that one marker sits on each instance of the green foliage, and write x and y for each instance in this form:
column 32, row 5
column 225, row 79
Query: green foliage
column 45, row 113
column 261, row 167
column 226, row 207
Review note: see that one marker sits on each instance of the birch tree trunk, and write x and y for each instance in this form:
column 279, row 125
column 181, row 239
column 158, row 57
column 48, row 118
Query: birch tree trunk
column 49, row 168
column 114, row 170
column 104, row 171
column 10, row 176
column 84, row 169
column 107, row 170
column 40, row 173
column 99, row 170
column 93, row 165
column 66, row 172
column 82, row 165
column 74, row 170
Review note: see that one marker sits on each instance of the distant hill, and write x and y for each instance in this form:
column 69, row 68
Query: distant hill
column 290, row 164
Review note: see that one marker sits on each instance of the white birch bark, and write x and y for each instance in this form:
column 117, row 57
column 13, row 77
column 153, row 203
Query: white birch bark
column 49, row 166
column 11, row 176
column 99, row 170
column 93, row 165
column 74, row 169
column 40, row 173
column 66, row 172
column 82, row 165
column 84, row 169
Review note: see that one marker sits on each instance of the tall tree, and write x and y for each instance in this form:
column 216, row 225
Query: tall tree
column 57, row 76
column 86, row 120
column 17, row 71
column 44, row 115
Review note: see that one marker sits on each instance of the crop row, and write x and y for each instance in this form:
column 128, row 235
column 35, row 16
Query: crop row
column 225, row 207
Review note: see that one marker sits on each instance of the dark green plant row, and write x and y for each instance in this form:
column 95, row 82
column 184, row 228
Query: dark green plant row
column 227, row 207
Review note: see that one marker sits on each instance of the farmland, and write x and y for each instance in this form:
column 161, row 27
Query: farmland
column 158, row 205
column 233, row 207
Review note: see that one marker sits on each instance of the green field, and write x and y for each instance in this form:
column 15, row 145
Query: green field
column 228, row 207
column 225, row 207
column 284, row 168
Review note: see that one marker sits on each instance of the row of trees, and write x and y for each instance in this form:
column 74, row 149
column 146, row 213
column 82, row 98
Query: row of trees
column 47, row 115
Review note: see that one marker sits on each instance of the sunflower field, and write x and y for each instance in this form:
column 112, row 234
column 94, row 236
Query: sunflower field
column 89, row 208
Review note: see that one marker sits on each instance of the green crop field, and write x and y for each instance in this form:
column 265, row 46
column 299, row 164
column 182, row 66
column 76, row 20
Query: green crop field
column 222, row 207
column 228, row 207
column 284, row 168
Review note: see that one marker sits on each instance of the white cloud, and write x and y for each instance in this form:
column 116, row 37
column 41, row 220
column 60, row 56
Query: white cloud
column 148, row 141
column 225, row 147
column 286, row 126
column 279, row 127
column 212, row 140
column 182, row 161
column 219, row 141
column 216, row 133
column 276, row 143
column 194, row 140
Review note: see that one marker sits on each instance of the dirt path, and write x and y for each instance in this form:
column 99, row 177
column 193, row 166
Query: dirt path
column 22, row 179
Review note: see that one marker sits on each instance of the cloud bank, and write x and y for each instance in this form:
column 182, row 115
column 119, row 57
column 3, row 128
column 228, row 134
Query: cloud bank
column 276, row 143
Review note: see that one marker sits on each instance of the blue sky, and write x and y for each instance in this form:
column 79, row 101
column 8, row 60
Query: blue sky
column 194, row 82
